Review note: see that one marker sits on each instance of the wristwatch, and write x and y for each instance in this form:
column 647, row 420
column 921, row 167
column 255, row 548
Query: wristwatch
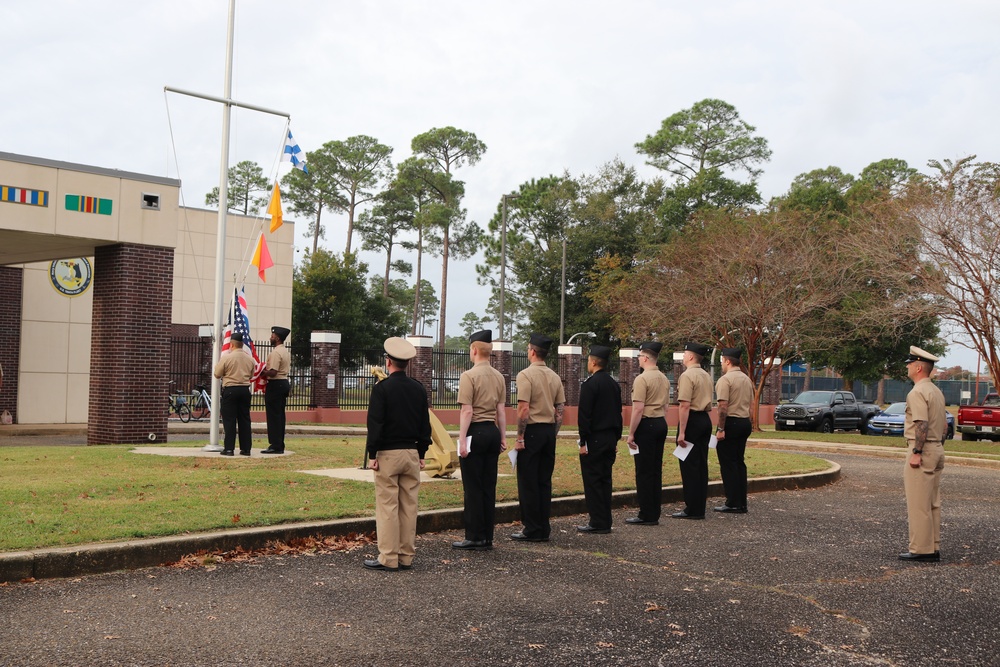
column 917, row 451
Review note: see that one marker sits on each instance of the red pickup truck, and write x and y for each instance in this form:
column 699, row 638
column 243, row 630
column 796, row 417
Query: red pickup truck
column 980, row 422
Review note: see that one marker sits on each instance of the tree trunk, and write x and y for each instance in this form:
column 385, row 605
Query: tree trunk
column 350, row 223
column 444, row 288
column 416, row 288
column 388, row 263
column 808, row 378
column 880, row 392
column 319, row 214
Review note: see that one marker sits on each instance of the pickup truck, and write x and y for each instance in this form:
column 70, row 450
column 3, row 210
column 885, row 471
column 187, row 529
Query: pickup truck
column 976, row 422
column 824, row 411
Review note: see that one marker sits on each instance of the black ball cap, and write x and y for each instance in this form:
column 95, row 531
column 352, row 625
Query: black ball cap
column 733, row 352
column 238, row 337
column 281, row 332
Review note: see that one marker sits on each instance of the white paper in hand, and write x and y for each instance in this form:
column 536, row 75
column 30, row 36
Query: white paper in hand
column 713, row 442
column 635, row 451
column 512, row 455
column 682, row 452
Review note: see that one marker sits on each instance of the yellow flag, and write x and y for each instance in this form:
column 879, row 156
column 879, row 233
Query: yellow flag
column 274, row 208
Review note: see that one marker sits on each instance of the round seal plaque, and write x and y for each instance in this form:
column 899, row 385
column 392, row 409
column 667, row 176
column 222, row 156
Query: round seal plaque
column 71, row 277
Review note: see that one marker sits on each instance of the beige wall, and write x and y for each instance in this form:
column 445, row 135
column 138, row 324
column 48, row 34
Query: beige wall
column 55, row 328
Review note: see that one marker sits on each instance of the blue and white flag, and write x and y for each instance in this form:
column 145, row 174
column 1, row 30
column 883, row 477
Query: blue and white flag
column 294, row 154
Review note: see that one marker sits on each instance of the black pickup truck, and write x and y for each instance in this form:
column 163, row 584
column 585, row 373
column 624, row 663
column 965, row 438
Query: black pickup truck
column 824, row 411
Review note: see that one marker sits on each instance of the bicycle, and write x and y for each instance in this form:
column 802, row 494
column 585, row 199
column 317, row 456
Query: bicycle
column 177, row 404
column 201, row 402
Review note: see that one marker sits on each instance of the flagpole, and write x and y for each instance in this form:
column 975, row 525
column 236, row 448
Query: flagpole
column 220, row 243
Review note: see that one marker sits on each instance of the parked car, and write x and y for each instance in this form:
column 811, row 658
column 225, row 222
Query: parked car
column 890, row 422
column 980, row 422
column 824, row 411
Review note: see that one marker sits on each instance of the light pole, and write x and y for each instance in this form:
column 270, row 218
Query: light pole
column 503, row 258
column 588, row 334
column 562, row 299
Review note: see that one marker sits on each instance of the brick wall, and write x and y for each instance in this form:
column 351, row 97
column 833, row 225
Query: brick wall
column 569, row 372
column 11, row 282
column 130, row 344
column 325, row 362
column 502, row 359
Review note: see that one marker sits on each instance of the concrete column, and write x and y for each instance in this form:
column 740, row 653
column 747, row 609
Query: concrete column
column 569, row 372
column 130, row 344
column 11, row 288
column 628, row 369
column 421, row 367
column 325, row 385
column 502, row 359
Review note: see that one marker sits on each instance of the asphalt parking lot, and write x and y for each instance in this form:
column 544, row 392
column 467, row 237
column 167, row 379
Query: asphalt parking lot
column 806, row 578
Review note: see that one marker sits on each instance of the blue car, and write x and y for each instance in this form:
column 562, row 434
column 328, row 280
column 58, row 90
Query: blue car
column 890, row 422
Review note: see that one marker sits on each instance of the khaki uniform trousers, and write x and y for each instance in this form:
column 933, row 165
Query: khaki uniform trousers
column 923, row 498
column 397, row 481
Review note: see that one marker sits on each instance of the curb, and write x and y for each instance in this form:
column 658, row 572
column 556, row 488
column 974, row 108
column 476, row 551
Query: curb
column 102, row 558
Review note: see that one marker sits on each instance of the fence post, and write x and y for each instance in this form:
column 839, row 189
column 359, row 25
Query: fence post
column 628, row 369
column 325, row 368
column 421, row 367
column 502, row 359
column 569, row 372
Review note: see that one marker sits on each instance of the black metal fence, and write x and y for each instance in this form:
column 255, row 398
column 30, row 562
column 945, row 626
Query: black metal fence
column 895, row 390
column 191, row 365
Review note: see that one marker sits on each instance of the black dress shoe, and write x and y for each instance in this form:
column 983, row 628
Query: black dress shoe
column 726, row 509
column 521, row 537
column 684, row 515
column 922, row 558
column 242, row 453
column 227, row 452
column 375, row 564
column 636, row 521
column 405, row 567
column 272, row 450
column 590, row 529
column 471, row 545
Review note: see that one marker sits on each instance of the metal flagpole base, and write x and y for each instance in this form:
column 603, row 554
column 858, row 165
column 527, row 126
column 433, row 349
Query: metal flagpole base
column 212, row 448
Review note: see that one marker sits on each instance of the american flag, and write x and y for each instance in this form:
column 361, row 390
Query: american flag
column 242, row 319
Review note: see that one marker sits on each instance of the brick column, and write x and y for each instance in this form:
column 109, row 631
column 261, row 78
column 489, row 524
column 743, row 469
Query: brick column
column 569, row 372
column 502, row 359
column 628, row 369
column 421, row 367
column 11, row 286
column 770, row 394
column 325, row 388
column 130, row 344
column 677, row 369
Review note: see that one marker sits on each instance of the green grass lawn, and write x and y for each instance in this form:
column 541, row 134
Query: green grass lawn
column 58, row 496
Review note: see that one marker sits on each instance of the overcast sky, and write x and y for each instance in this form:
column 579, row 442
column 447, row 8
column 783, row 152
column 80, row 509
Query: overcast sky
column 549, row 86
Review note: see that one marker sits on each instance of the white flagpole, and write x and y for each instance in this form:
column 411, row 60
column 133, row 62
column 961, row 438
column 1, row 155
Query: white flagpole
column 220, row 246
column 220, row 241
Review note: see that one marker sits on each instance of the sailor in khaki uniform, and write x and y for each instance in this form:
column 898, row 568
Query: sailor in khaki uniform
column 924, row 430
column 276, row 391
column 694, row 394
column 734, row 391
column 648, row 431
column 482, row 426
column 540, row 402
column 235, row 368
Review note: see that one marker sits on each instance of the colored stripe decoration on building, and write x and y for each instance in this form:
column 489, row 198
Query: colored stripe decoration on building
column 85, row 204
column 24, row 196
